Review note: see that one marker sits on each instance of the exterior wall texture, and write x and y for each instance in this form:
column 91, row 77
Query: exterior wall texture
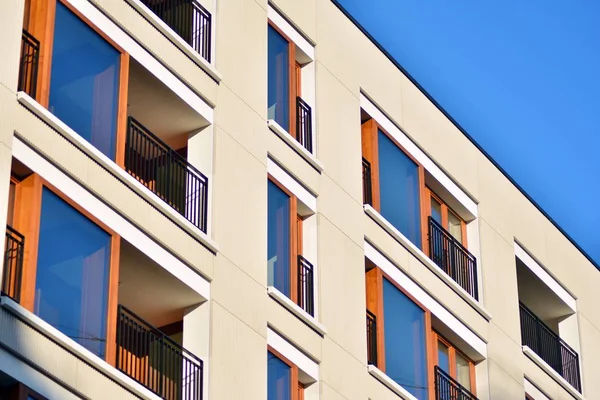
column 239, row 312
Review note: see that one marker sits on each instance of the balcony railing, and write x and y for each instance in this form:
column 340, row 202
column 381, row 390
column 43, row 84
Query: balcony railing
column 188, row 19
column 371, row 338
column 14, row 247
column 167, row 174
column 451, row 256
column 448, row 388
column 306, row 291
column 28, row 71
column 150, row 357
column 550, row 347
column 304, row 124
column 367, row 187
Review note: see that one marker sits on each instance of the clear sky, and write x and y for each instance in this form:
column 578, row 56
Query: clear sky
column 522, row 77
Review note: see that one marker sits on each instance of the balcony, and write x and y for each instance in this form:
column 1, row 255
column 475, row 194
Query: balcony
column 14, row 247
column 367, row 185
column 28, row 71
column 371, row 338
column 453, row 258
column 153, row 359
column 188, row 19
column 306, row 296
column 447, row 388
column 166, row 173
column 304, row 124
column 540, row 338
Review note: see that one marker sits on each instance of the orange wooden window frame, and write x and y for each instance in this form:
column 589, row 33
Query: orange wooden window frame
column 445, row 210
column 39, row 21
column 296, row 387
column 374, row 288
column 296, row 223
column 27, row 217
column 370, row 151
column 452, row 351
column 294, row 76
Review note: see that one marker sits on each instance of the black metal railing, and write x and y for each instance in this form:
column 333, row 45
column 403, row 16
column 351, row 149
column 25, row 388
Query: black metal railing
column 549, row 346
column 304, row 124
column 306, row 287
column 371, row 338
column 188, row 19
column 28, row 70
column 453, row 258
column 153, row 359
column 14, row 248
column 448, row 388
column 170, row 176
column 367, row 186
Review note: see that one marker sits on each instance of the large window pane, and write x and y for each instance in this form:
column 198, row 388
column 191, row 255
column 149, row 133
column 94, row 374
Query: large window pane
column 405, row 341
column 278, row 246
column 279, row 78
column 71, row 288
column 279, row 379
column 84, row 81
column 399, row 189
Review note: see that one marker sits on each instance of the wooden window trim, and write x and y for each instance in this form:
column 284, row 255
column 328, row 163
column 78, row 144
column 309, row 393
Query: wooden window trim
column 28, row 210
column 295, row 239
column 293, row 82
column 452, row 351
column 374, row 282
column 40, row 23
column 297, row 389
column 370, row 151
column 445, row 211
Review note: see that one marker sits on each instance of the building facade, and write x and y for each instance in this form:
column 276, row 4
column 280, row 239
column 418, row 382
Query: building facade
column 246, row 199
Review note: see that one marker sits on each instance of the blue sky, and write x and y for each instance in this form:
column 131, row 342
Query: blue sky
column 522, row 77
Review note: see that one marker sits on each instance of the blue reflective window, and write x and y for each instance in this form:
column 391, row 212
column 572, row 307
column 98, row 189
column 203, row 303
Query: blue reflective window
column 279, row 88
column 84, row 81
column 71, row 288
column 278, row 246
column 405, row 341
column 399, row 189
column 279, row 379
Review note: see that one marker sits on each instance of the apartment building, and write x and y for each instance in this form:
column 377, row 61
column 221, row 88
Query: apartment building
column 247, row 199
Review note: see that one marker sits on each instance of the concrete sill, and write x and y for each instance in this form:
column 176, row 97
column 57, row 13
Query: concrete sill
column 74, row 347
column 117, row 171
column 174, row 37
column 294, row 144
column 387, row 381
column 296, row 310
column 404, row 241
column 553, row 374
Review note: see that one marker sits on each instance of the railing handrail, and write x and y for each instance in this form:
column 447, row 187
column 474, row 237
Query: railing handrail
column 307, row 141
column 303, row 263
column 372, row 324
column 367, row 182
column 167, row 148
column 452, row 238
column 31, row 38
column 124, row 310
column 16, row 233
column 463, row 390
column 547, row 328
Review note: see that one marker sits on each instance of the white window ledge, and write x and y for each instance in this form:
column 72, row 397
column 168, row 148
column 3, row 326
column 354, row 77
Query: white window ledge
column 77, row 349
column 294, row 144
column 176, row 39
column 410, row 246
column 387, row 381
column 296, row 310
column 119, row 172
column 553, row 374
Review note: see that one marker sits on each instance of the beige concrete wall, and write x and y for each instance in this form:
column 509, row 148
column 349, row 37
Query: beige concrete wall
column 240, row 309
